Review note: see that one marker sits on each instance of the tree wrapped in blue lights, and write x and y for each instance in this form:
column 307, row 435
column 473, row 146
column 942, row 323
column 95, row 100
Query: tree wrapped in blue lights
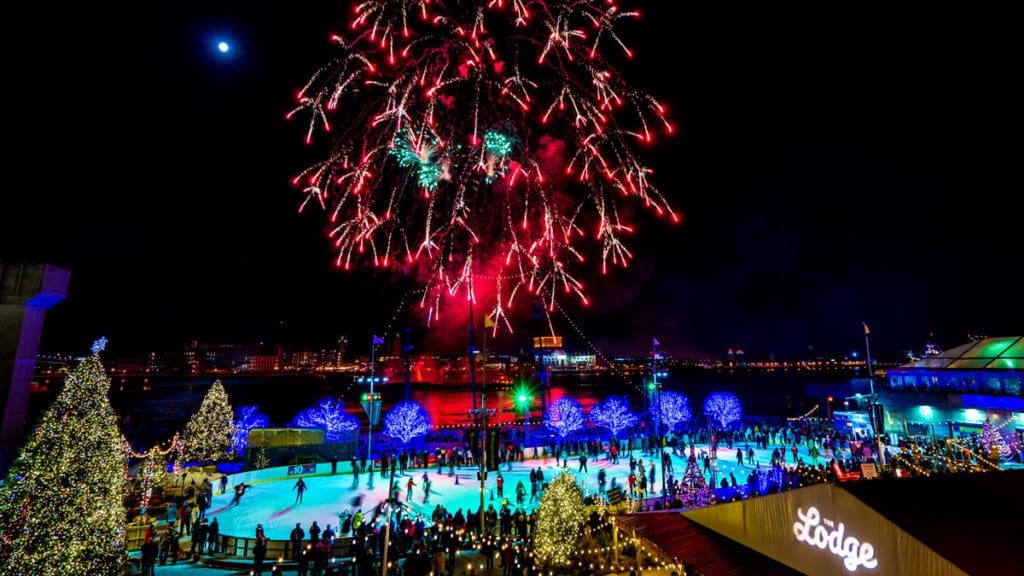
column 564, row 417
column 722, row 410
column 247, row 418
column 406, row 421
column 613, row 415
column 675, row 410
column 330, row 416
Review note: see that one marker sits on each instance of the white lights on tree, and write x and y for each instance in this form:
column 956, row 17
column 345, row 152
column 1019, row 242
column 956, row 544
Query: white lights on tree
column 406, row 421
column 722, row 410
column 613, row 415
column 329, row 415
column 564, row 417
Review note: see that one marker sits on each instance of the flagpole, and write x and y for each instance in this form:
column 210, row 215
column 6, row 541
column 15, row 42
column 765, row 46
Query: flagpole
column 369, row 421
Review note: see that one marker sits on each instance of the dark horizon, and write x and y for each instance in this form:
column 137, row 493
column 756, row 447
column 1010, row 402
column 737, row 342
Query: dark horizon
column 833, row 168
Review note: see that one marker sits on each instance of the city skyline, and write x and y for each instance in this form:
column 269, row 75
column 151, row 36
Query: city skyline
column 821, row 189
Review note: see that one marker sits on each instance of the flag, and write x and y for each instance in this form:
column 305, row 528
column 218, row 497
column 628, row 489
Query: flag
column 377, row 340
column 488, row 322
column 866, row 329
column 655, row 342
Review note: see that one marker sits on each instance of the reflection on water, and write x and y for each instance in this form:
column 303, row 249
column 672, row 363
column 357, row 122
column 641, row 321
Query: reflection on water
column 152, row 411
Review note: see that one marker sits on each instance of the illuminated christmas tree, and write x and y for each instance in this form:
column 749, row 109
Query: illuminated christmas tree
column 208, row 434
column 153, row 474
column 61, row 510
column 694, row 490
column 992, row 442
column 559, row 521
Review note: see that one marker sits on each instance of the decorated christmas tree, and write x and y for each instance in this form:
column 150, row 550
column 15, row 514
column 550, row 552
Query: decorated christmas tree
column 209, row 433
column 694, row 490
column 152, row 474
column 61, row 508
column 559, row 521
column 993, row 443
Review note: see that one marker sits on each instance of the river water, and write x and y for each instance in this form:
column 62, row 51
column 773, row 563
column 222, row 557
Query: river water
column 152, row 411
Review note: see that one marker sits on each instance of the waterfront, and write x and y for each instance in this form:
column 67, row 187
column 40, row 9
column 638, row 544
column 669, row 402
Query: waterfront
column 151, row 411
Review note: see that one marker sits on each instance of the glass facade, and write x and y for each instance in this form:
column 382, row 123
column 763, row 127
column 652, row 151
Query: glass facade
column 989, row 366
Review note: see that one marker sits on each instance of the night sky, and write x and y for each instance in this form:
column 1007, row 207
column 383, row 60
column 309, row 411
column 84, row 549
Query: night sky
column 835, row 164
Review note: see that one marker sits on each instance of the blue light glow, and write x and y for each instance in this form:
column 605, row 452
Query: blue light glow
column 223, row 46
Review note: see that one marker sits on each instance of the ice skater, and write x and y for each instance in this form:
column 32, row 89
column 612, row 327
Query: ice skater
column 426, row 489
column 239, row 492
column 409, row 486
column 299, row 488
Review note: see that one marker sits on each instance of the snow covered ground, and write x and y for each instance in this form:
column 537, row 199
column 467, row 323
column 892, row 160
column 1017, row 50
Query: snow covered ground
column 272, row 504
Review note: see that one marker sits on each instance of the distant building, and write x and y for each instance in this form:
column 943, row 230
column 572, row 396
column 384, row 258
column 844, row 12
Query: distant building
column 952, row 393
column 990, row 366
column 548, row 353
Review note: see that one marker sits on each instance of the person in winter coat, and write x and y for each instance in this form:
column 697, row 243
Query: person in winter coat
column 259, row 553
column 150, row 550
column 199, row 538
column 211, row 536
column 296, row 537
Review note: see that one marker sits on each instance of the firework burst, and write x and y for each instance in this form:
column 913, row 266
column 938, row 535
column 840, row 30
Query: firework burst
column 482, row 140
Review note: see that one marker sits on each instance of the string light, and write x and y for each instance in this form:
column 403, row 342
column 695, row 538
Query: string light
column 208, row 434
column 559, row 520
column 61, row 508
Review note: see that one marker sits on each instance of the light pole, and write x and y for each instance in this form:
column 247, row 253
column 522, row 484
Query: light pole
column 522, row 395
column 371, row 404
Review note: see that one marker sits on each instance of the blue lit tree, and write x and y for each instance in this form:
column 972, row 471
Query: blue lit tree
column 564, row 416
column 722, row 410
column 406, row 421
column 329, row 415
column 613, row 414
column 675, row 410
column 247, row 418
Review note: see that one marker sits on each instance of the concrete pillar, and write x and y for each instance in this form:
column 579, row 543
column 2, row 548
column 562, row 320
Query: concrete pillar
column 27, row 291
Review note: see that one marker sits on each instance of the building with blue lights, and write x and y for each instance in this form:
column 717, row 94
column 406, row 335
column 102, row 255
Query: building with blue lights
column 952, row 394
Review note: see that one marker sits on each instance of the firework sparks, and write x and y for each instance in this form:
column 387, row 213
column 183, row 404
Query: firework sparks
column 440, row 116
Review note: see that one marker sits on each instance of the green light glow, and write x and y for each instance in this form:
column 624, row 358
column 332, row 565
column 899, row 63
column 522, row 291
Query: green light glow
column 522, row 394
column 421, row 158
column 497, row 143
column 990, row 347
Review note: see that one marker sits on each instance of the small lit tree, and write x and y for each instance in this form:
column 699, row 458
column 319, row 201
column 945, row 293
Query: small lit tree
column 675, row 410
column 208, row 434
column 564, row 417
column 992, row 441
column 330, row 416
column 61, row 508
column 722, row 410
column 407, row 421
column 247, row 418
column 694, row 489
column 560, row 521
column 613, row 414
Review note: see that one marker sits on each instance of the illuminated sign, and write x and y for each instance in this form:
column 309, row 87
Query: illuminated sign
column 813, row 530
